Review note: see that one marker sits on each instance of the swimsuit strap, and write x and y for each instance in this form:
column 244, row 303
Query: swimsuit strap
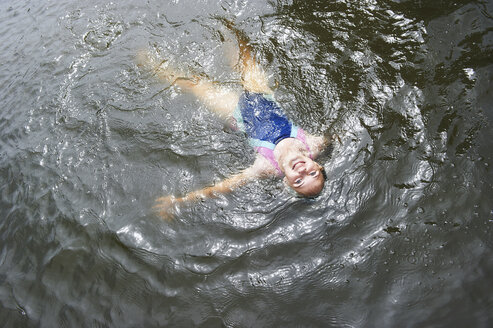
column 269, row 154
column 302, row 137
column 266, row 149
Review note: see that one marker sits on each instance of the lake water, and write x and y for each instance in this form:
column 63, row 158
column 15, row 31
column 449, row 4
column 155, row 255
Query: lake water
column 399, row 237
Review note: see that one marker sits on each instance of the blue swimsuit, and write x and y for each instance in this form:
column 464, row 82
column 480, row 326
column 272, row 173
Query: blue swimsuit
column 263, row 120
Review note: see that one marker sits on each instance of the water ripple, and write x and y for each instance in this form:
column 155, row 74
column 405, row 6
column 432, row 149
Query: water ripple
column 400, row 235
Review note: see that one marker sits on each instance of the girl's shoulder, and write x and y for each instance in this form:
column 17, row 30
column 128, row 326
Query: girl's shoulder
column 263, row 168
column 317, row 144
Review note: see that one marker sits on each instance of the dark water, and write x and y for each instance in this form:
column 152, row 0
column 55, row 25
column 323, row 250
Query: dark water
column 400, row 237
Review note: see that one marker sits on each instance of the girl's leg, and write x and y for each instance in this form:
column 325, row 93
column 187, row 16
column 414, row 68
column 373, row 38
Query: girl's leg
column 243, row 60
column 220, row 100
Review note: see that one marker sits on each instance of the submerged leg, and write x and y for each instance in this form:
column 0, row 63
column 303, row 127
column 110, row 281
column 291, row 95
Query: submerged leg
column 220, row 100
column 242, row 59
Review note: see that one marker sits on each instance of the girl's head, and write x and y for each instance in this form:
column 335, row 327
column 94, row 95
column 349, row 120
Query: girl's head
column 304, row 176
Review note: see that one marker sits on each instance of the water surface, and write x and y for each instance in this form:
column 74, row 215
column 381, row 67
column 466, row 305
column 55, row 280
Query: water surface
column 400, row 236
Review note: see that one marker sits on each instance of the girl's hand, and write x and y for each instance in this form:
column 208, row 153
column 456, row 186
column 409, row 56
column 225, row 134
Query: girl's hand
column 166, row 207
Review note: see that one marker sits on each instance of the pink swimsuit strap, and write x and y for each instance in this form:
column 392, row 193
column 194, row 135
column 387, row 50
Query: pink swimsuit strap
column 269, row 153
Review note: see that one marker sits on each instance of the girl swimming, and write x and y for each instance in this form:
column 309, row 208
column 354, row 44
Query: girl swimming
column 283, row 149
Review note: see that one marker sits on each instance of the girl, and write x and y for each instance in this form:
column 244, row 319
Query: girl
column 283, row 149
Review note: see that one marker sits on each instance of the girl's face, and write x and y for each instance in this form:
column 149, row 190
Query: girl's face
column 304, row 176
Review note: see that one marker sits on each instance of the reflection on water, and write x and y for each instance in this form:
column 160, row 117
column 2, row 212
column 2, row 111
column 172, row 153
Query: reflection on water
column 399, row 236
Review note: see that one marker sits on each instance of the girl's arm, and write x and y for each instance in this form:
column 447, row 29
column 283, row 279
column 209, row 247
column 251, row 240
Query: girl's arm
column 260, row 168
column 318, row 144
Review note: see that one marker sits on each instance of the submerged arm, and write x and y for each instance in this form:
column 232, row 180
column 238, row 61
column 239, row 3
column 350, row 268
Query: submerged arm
column 165, row 205
column 318, row 144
